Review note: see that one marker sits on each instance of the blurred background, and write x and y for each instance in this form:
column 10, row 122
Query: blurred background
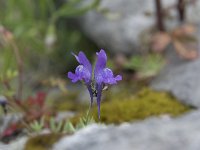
column 153, row 44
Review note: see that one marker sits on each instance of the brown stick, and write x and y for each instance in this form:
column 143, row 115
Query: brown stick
column 174, row 6
column 181, row 10
column 7, row 85
column 20, row 69
column 159, row 15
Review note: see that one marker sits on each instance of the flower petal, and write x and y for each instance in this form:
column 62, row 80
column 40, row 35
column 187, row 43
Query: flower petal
column 73, row 77
column 106, row 76
column 81, row 73
column 101, row 61
column 82, row 59
column 118, row 78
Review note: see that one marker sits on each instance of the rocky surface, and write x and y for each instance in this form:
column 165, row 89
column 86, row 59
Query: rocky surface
column 182, row 80
column 162, row 133
column 180, row 77
column 120, row 27
column 15, row 145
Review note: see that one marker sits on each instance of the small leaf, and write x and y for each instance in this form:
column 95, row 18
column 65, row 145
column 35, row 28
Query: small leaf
column 68, row 127
column 160, row 41
column 72, row 8
column 80, row 124
column 37, row 126
column 184, row 30
column 184, row 51
column 59, row 126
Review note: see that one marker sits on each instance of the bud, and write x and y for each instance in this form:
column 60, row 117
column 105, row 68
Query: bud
column 50, row 38
column 3, row 103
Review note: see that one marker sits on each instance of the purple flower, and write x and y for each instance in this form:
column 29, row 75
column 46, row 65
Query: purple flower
column 83, row 72
column 102, row 75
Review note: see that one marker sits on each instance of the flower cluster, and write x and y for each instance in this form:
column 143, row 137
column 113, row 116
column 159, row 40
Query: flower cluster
column 96, row 81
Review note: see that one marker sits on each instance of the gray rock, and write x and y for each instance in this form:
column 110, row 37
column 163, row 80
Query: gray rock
column 151, row 134
column 193, row 12
column 19, row 144
column 120, row 28
column 182, row 80
column 180, row 77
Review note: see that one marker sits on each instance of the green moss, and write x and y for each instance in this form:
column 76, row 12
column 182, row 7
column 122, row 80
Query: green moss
column 145, row 104
column 42, row 142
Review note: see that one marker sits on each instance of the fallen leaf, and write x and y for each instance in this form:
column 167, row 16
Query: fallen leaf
column 160, row 41
column 185, row 51
column 184, row 30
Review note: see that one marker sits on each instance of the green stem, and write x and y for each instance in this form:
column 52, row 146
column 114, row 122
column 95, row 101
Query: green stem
column 19, row 62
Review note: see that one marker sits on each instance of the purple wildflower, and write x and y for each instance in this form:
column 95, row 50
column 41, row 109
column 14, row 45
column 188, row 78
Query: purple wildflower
column 83, row 72
column 102, row 75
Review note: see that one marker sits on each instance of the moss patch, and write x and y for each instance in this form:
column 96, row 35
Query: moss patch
column 144, row 104
column 42, row 142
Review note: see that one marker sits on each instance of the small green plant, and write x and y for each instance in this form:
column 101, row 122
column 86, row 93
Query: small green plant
column 62, row 127
column 84, row 121
column 69, row 128
column 146, row 66
column 37, row 126
column 54, row 126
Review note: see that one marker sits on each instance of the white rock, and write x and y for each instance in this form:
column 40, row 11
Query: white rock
column 151, row 134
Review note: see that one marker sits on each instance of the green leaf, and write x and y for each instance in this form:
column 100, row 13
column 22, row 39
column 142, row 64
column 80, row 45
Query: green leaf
column 37, row 126
column 69, row 128
column 72, row 8
column 146, row 66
